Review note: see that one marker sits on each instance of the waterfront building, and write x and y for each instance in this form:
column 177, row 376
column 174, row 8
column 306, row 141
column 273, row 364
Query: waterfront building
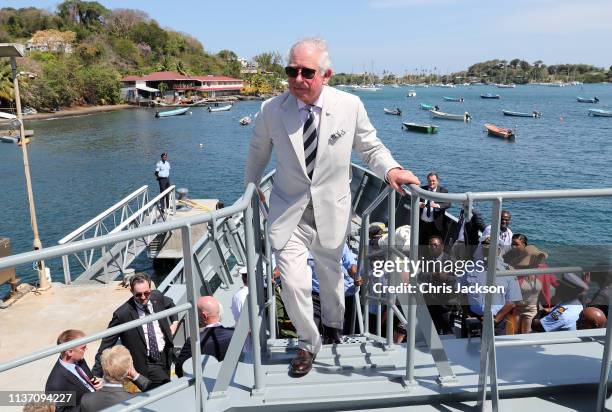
column 175, row 84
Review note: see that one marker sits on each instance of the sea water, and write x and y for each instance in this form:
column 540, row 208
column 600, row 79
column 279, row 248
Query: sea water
column 83, row 165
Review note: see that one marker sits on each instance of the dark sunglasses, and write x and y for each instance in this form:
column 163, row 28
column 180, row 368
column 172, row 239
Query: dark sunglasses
column 305, row 71
column 145, row 294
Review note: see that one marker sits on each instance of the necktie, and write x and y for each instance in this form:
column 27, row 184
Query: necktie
column 153, row 349
column 429, row 205
column 310, row 141
column 84, row 376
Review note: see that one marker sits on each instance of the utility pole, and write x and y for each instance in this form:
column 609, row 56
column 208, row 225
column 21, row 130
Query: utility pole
column 13, row 51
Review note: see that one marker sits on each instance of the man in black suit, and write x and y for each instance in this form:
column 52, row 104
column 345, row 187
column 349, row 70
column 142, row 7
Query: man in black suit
column 433, row 218
column 150, row 345
column 70, row 374
column 438, row 274
column 214, row 339
column 118, row 367
column 464, row 239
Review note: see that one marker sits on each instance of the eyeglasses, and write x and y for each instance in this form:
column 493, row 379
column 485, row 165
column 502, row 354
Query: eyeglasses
column 305, row 71
column 145, row 294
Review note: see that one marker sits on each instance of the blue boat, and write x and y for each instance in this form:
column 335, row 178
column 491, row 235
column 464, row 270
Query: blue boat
column 175, row 112
column 490, row 96
column 453, row 99
column 587, row 99
column 425, row 106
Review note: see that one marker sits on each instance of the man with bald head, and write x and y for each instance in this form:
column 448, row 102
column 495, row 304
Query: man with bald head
column 313, row 129
column 214, row 337
column 591, row 318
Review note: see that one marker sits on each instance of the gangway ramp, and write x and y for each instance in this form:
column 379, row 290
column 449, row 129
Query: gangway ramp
column 103, row 265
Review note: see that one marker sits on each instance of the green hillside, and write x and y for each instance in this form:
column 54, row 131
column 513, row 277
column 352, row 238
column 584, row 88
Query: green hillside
column 107, row 44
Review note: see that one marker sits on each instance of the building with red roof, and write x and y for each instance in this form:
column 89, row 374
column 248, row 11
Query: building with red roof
column 207, row 86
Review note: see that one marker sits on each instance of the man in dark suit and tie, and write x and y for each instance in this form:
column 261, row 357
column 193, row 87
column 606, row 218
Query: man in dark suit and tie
column 70, row 374
column 464, row 237
column 214, row 339
column 433, row 219
column 149, row 345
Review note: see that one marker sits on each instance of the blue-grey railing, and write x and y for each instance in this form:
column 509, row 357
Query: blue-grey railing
column 246, row 205
column 488, row 365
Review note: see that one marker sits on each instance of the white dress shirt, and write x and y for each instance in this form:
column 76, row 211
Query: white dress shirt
column 161, row 343
column 163, row 168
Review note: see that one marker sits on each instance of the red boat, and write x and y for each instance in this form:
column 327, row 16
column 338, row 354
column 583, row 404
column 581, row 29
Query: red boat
column 499, row 131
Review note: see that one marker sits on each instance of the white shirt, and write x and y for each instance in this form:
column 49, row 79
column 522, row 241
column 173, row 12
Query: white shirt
column 317, row 109
column 159, row 336
column 163, row 168
column 461, row 238
column 238, row 301
column 505, row 241
column 72, row 368
column 431, row 209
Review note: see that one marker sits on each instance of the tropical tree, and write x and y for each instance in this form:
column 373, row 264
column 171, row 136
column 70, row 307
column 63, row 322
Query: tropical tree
column 6, row 83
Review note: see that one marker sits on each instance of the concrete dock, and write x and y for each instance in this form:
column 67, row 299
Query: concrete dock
column 35, row 321
column 172, row 247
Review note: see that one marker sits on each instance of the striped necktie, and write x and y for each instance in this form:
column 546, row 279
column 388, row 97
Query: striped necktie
column 310, row 141
column 86, row 378
column 153, row 348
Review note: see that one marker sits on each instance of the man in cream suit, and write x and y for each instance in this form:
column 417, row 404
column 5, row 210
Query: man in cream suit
column 313, row 129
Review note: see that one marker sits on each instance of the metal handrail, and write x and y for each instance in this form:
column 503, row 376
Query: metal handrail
column 151, row 204
column 112, row 238
column 488, row 362
column 83, row 228
column 246, row 204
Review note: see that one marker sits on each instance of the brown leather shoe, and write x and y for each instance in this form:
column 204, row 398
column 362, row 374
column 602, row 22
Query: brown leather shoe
column 301, row 364
column 330, row 335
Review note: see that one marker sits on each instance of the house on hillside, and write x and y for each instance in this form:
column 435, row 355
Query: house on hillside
column 172, row 85
column 51, row 41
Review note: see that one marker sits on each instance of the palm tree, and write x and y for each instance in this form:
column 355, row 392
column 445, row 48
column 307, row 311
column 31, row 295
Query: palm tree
column 6, row 83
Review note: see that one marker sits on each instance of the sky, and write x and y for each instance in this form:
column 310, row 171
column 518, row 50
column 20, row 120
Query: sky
column 393, row 35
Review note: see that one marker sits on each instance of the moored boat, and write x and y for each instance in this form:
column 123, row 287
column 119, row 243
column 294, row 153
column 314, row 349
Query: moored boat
column 395, row 112
column 411, row 93
column 246, row 120
column 420, row 127
column 449, row 116
column 489, row 96
column 453, row 99
column 535, row 114
column 425, row 106
column 9, row 139
column 587, row 99
column 506, row 86
column 600, row 112
column 220, row 108
column 175, row 112
column 497, row 131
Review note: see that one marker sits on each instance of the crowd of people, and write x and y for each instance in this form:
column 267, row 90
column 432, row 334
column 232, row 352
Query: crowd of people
column 530, row 303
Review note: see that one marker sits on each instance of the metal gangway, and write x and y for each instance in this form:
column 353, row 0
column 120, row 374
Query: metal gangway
column 260, row 381
column 105, row 264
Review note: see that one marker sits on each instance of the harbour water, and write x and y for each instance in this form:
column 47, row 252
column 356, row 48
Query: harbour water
column 81, row 166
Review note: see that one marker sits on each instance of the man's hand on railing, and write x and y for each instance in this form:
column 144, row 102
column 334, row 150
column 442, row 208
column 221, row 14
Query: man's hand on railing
column 398, row 177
